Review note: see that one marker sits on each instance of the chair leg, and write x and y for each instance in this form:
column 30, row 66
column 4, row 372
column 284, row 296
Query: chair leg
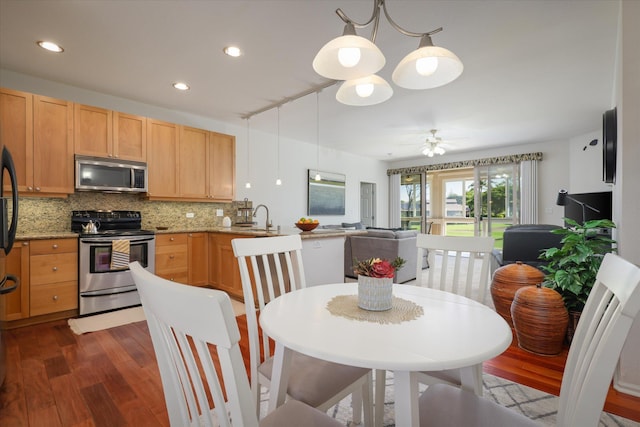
column 380, row 385
column 356, row 407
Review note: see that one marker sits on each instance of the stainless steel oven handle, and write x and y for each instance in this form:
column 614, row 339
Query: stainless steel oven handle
column 112, row 291
column 108, row 242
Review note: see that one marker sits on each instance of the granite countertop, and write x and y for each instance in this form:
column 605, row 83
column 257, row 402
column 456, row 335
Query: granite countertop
column 257, row 232
column 315, row 234
column 46, row 235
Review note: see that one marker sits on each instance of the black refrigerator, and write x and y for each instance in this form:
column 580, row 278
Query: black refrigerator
column 8, row 282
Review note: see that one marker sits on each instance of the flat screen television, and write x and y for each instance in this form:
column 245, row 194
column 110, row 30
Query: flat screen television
column 600, row 201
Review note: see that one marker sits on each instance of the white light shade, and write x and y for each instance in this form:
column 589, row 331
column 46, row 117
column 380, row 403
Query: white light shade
column 338, row 59
column 349, row 91
column 407, row 74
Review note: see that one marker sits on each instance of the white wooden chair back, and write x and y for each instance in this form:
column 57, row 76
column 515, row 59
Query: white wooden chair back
column 182, row 321
column 604, row 324
column 453, row 263
column 278, row 261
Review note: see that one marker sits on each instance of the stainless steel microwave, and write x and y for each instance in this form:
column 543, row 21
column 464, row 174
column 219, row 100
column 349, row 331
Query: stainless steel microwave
column 112, row 175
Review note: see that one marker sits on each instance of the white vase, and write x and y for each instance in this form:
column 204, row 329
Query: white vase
column 375, row 294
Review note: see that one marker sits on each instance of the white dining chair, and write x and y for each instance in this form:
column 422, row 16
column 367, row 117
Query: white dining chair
column 612, row 306
column 460, row 265
column 272, row 266
column 183, row 322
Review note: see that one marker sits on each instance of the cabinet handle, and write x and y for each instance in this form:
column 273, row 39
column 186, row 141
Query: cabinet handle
column 171, row 256
column 172, row 279
column 171, row 239
column 30, row 188
column 55, row 268
column 54, row 246
column 55, row 298
column 37, row 188
column 25, row 243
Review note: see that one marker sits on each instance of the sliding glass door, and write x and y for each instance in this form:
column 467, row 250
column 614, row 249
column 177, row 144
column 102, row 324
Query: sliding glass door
column 497, row 200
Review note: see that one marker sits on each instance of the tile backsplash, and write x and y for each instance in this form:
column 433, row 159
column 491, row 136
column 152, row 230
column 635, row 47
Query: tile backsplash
column 37, row 214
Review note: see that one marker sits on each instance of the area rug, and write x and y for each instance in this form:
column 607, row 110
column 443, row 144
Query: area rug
column 532, row 403
column 98, row 322
column 113, row 319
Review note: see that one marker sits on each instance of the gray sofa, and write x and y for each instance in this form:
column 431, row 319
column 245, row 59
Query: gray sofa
column 525, row 242
column 385, row 244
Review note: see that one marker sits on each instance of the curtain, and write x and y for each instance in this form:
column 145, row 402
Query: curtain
column 529, row 192
column 394, row 201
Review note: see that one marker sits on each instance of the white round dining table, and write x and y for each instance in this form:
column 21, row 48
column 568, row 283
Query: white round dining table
column 453, row 332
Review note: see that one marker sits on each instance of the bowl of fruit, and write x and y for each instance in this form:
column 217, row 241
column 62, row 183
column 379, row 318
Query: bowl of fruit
column 307, row 224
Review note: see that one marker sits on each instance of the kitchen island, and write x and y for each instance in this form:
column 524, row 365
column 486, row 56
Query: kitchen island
column 322, row 255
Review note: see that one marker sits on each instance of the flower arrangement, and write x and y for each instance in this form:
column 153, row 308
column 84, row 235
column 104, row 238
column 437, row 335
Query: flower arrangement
column 378, row 268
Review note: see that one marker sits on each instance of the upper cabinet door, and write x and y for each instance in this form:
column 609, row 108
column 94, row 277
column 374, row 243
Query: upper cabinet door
column 192, row 162
column 222, row 166
column 162, row 152
column 52, row 145
column 16, row 130
column 92, row 131
column 129, row 137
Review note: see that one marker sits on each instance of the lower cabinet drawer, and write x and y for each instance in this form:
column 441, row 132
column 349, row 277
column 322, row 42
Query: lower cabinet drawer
column 53, row 297
column 54, row 268
column 178, row 277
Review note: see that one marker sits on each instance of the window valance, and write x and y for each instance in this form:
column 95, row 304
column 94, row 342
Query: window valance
column 512, row 158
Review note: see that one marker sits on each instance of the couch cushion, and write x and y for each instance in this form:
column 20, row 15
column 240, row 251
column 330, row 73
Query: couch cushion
column 405, row 234
column 354, row 225
column 384, row 234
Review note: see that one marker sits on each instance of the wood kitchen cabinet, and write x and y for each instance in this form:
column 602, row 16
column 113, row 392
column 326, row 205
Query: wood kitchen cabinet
column 198, row 256
column 193, row 166
column 53, row 162
column 53, row 269
column 16, row 125
column 162, row 152
column 15, row 305
column 206, row 165
column 130, row 137
column 222, row 166
column 172, row 255
column 38, row 131
column 224, row 273
column 92, row 131
column 104, row 133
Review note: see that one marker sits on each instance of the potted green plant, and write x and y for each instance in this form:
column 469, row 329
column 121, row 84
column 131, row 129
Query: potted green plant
column 571, row 269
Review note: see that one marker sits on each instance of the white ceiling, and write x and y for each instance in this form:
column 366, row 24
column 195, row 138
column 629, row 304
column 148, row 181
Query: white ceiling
column 535, row 70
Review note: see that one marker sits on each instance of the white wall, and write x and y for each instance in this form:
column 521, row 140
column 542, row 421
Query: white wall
column 585, row 164
column 626, row 209
column 286, row 203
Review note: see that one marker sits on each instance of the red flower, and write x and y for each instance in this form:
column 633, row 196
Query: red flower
column 382, row 268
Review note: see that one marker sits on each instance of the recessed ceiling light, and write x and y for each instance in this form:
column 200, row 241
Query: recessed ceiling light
column 232, row 51
column 50, row 46
column 181, row 86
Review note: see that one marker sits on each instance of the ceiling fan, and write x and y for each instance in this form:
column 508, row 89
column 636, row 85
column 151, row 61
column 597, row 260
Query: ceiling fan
column 432, row 145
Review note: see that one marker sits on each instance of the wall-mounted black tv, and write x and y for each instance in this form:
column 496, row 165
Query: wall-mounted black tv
column 600, row 201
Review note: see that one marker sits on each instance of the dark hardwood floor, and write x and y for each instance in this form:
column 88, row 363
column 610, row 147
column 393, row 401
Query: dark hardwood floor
column 110, row 378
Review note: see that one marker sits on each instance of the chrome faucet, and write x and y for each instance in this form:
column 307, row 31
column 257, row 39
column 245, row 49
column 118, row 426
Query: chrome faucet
column 267, row 224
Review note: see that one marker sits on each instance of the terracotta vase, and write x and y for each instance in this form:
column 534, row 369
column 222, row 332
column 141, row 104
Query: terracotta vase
column 506, row 282
column 540, row 319
column 375, row 294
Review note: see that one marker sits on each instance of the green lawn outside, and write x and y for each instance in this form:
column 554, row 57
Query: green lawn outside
column 467, row 229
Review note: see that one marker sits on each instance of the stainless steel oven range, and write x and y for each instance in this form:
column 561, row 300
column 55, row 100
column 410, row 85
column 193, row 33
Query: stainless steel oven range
column 106, row 285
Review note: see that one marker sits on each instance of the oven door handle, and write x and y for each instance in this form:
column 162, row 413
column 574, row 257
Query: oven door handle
column 109, row 242
column 112, row 291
